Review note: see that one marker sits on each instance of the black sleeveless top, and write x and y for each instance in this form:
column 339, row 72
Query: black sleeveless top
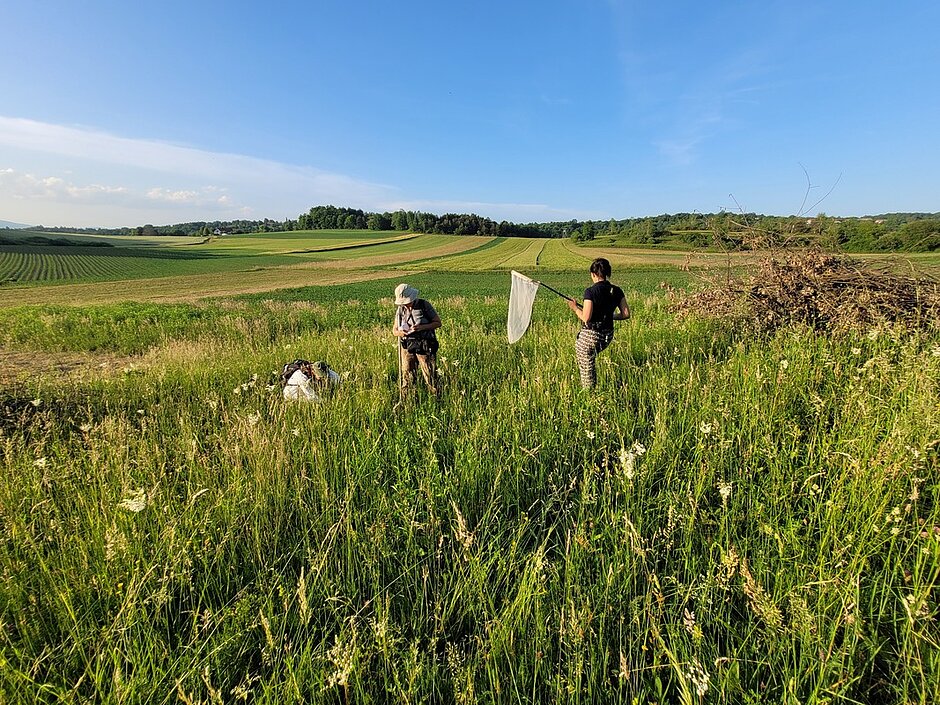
column 606, row 298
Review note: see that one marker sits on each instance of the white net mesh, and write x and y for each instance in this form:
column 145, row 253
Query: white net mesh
column 521, row 297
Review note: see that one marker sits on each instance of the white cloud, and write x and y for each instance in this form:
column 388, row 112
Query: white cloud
column 57, row 174
column 160, row 182
column 28, row 186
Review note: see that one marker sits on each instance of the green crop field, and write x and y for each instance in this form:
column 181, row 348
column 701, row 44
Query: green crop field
column 30, row 265
column 726, row 518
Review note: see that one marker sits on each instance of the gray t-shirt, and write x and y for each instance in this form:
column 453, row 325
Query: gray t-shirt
column 421, row 313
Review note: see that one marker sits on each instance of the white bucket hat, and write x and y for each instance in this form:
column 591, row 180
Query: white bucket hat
column 405, row 294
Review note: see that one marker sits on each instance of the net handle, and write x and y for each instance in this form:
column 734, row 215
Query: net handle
column 552, row 289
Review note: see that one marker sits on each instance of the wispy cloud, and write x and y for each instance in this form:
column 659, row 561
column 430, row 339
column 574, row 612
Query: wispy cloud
column 158, row 181
column 23, row 186
column 124, row 181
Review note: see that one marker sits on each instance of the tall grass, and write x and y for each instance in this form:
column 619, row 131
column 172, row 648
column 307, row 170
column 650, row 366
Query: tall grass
column 722, row 520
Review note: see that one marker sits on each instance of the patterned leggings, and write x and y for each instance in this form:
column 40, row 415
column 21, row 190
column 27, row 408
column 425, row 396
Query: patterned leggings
column 588, row 345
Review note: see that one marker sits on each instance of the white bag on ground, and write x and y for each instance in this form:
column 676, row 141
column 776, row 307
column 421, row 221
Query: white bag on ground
column 521, row 297
column 300, row 386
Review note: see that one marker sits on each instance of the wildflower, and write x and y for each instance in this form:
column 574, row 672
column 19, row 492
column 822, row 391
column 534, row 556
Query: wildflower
column 724, row 489
column 628, row 462
column 135, row 502
column 856, row 351
column 115, row 543
column 784, row 364
column 295, row 431
column 140, row 412
column 36, row 402
column 41, row 462
column 688, row 620
column 590, row 434
column 699, row 678
column 705, row 428
column 342, row 657
column 628, row 458
column 253, row 419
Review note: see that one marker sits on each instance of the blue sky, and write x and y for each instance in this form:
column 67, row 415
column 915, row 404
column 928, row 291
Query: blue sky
column 117, row 113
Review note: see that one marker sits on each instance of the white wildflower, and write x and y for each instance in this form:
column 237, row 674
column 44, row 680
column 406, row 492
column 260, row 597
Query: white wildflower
column 856, row 351
column 135, row 502
column 628, row 463
column 724, row 489
column 253, row 419
column 342, row 656
column 699, row 678
column 140, row 412
column 629, row 457
column 784, row 364
column 688, row 620
column 41, row 462
column 36, row 402
column 295, row 431
column 590, row 434
column 706, row 428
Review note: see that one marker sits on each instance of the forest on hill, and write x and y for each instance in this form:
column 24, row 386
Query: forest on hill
column 889, row 232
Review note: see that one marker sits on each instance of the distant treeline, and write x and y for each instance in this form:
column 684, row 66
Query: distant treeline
column 912, row 232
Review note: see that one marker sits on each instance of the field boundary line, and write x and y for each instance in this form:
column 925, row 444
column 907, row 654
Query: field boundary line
column 353, row 245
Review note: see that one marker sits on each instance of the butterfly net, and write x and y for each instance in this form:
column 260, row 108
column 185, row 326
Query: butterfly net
column 521, row 297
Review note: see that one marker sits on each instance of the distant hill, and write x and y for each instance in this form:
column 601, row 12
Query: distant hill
column 15, row 226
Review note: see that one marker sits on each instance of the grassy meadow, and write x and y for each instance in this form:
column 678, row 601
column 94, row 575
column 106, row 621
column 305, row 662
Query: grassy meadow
column 725, row 519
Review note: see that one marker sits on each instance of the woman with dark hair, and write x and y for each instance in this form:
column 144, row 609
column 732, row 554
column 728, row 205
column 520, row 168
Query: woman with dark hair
column 597, row 315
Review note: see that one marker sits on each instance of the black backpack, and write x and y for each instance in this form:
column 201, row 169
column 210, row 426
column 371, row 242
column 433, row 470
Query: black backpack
column 291, row 367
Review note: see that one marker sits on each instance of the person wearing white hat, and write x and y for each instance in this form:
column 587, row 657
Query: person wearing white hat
column 415, row 323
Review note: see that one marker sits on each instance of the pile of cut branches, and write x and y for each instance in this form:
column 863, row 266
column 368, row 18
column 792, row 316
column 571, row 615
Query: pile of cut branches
column 829, row 293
